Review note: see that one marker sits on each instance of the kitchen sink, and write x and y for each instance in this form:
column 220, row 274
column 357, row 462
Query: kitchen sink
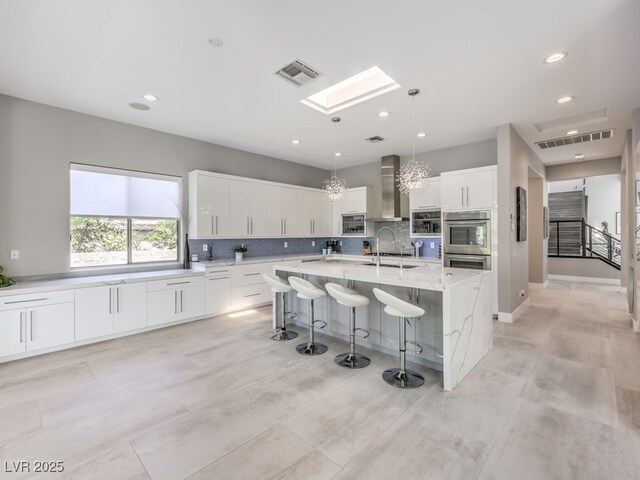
column 392, row 266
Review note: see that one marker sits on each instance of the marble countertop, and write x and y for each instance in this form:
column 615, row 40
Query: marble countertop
column 426, row 277
column 334, row 256
column 93, row 281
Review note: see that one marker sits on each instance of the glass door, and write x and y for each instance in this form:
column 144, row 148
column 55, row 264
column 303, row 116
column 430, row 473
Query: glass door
column 353, row 225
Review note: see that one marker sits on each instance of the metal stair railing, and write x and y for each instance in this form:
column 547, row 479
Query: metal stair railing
column 576, row 238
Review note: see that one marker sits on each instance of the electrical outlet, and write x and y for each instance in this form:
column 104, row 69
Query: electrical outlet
column 432, row 245
column 522, row 292
column 313, row 243
column 205, row 248
column 15, row 254
column 340, row 242
column 286, row 244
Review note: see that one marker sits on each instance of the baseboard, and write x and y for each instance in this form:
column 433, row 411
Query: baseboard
column 569, row 278
column 512, row 317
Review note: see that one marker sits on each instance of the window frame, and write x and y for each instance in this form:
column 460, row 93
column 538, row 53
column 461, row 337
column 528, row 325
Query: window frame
column 130, row 263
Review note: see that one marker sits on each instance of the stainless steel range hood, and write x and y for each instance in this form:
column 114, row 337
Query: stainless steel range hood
column 389, row 168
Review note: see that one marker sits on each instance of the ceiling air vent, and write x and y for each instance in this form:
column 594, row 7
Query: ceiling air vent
column 374, row 139
column 298, row 73
column 575, row 139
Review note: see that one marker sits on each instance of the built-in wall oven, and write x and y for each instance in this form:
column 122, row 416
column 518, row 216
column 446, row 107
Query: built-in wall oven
column 467, row 239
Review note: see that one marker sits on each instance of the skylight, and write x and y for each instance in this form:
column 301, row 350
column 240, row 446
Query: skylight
column 359, row 88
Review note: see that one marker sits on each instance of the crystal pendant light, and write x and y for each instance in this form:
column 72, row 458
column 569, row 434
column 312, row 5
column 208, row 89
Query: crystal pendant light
column 335, row 186
column 413, row 173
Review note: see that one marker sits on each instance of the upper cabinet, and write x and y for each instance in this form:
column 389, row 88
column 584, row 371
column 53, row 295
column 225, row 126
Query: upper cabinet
column 427, row 197
column 351, row 211
column 471, row 189
column 224, row 206
column 208, row 206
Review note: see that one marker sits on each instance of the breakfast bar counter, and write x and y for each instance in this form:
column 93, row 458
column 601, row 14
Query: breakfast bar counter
column 452, row 336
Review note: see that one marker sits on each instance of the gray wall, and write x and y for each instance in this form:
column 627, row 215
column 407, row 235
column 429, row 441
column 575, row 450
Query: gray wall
column 582, row 267
column 537, row 243
column 460, row 157
column 592, row 168
column 37, row 143
column 514, row 159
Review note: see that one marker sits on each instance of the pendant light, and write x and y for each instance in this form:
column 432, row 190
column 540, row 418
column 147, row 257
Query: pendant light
column 413, row 173
column 335, row 186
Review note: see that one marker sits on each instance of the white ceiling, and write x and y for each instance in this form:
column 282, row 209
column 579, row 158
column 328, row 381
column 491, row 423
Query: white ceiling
column 478, row 64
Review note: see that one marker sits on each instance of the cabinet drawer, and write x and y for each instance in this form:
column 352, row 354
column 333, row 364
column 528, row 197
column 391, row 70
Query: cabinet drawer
column 250, row 295
column 249, row 274
column 175, row 283
column 36, row 299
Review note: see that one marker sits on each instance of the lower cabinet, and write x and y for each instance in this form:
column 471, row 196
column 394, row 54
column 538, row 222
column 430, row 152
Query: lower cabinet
column 35, row 328
column 102, row 311
column 250, row 296
column 217, row 295
column 173, row 300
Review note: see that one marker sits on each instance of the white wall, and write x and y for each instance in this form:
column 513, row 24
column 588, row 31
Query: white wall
column 603, row 194
column 566, row 186
column 37, row 143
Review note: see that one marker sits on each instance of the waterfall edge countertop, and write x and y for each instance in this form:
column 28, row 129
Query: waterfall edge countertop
column 425, row 277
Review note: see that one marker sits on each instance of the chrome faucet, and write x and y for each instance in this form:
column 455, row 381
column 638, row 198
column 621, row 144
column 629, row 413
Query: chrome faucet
column 393, row 236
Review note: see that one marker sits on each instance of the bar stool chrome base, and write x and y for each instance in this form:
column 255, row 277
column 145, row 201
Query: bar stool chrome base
column 407, row 379
column 312, row 348
column 284, row 335
column 355, row 360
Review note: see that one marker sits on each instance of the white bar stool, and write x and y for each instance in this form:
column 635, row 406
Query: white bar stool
column 308, row 291
column 280, row 287
column 350, row 298
column 400, row 377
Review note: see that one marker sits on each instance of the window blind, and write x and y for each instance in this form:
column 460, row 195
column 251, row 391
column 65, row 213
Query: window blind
column 97, row 191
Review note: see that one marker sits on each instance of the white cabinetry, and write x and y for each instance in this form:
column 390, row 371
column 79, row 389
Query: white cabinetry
column 102, row 311
column 428, row 197
column 247, row 209
column 356, row 201
column 176, row 299
column 248, row 288
column 217, row 291
column 469, row 189
column 283, row 211
column 208, row 205
column 35, row 321
column 316, row 214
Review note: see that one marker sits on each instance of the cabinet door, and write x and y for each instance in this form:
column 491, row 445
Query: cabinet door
column 130, row 309
column 191, row 302
column 316, row 214
column 94, row 312
column 291, row 207
column 239, row 208
column 217, row 295
column 275, row 213
column 49, row 326
column 162, row 307
column 211, row 207
column 257, row 210
column 453, row 192
column 12, row 332
column 427, row 197
column 480, row 190
column 354, row 201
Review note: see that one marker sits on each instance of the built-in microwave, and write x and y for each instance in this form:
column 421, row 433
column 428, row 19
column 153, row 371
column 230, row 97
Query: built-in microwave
column 467, row 232
column 426, row 223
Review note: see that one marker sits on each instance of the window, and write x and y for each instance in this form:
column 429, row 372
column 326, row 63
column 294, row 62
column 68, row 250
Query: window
column 121, row 217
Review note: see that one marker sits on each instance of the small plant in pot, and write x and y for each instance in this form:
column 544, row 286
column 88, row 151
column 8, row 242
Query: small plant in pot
column 4, row 280
column 240, row 249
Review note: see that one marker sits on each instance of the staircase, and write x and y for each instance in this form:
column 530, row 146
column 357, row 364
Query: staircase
column 575, row 238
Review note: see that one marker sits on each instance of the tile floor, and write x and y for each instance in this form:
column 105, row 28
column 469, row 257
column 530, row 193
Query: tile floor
column 558, row 397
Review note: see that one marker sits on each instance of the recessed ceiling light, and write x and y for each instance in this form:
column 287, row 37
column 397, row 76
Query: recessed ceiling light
column 421, row 134
column 139, row 106
column 565, row 99
column 215, row 42
column 579, row 156
column 556, row 57
column 572, row 132
column 151, row 98
column 383, row 114
column 295, row 142
column 337, row 154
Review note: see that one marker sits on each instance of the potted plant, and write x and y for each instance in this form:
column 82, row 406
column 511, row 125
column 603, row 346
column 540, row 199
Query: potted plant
column 4, row 280
column 240, row 249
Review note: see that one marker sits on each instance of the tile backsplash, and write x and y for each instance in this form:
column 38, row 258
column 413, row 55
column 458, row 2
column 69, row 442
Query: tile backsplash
column 223, row 249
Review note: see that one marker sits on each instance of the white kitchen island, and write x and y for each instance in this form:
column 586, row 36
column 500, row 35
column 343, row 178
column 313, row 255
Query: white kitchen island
column 455, row 332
